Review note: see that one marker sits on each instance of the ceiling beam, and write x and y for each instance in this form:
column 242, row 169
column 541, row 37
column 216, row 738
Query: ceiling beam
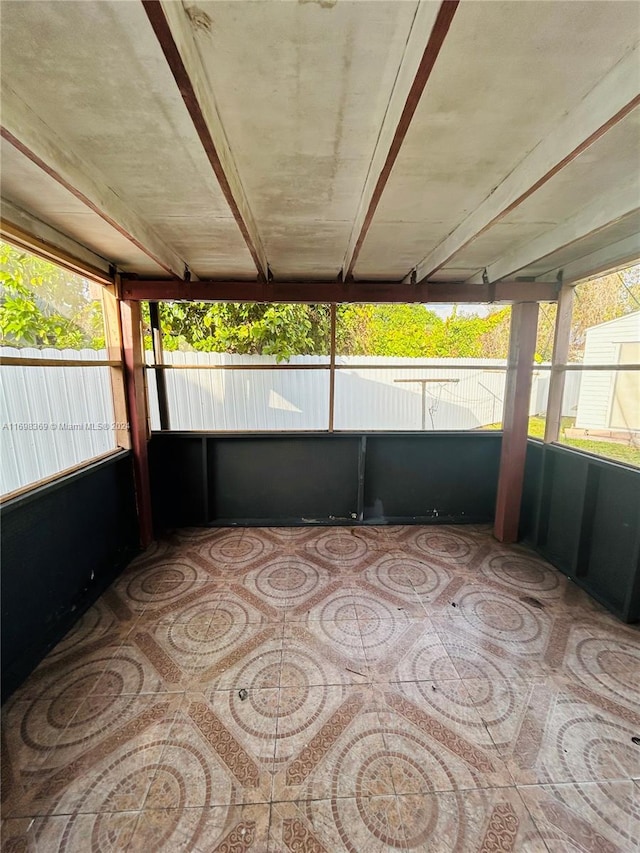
column 26, row 131
column 611, row 99
column 24, row 230
column 314, row 292
column 414, row 72
column 616, row 256
column 602, row 213
column 173, row 30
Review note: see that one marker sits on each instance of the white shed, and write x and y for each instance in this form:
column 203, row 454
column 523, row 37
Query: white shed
column 610, row 400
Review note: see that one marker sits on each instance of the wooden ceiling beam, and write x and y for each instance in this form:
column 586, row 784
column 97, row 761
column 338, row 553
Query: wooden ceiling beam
column 617, row 256
column 622, row 203
column 30, row 234
column 405, row 97
column 172, row 28
column 608, row 103
column 26, row 131
column 315, row 292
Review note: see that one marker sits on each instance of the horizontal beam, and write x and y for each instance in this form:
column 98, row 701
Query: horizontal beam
column 314, row 292
column 162, row 367
column 606, row 367
column 26, row 132
column 493, row 368
column 12, row 361
column 608, row 103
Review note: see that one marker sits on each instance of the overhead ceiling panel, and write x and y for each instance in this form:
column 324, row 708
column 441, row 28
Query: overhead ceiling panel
column 95, row 74
column 302, row 90
column 610, row 167
column 624, row 228
column 31, row 189
column 506, row 74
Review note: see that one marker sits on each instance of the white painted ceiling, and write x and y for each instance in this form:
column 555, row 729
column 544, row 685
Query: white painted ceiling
column 306, row 95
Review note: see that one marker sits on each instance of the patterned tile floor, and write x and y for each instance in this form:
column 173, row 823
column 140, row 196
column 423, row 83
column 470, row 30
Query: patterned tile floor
column 329, row 689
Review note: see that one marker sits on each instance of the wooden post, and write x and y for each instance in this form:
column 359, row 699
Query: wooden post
column 158, row 358
column 332, row 368
column 115, row 352
column 522, row 345
column 138, row 418
column 561, row 340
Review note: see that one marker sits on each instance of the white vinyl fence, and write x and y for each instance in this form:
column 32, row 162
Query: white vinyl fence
column 54, row 418
column 371, row 393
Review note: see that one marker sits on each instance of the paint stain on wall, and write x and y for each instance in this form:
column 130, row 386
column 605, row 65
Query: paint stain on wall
column 199, row 19
column 324, row 4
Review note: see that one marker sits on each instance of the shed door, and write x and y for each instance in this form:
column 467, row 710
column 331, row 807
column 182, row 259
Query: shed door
column 625, row 411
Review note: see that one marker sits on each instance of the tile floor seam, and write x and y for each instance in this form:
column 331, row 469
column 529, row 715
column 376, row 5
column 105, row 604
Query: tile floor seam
column 532, row 817
column 161, row 755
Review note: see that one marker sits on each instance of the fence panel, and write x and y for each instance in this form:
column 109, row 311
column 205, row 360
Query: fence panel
column 52, row 418
column 371, row 394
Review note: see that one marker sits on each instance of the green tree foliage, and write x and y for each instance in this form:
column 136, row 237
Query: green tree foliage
column 42, row 305
column 473, row 336
column 416, row 331
column 246, row 329
column 392, row 330
column 597, row 301
column 281, row 331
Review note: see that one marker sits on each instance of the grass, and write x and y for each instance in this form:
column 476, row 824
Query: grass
column 608, row 449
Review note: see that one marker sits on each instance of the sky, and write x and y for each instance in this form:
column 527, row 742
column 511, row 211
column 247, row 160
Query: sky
column 445, row 311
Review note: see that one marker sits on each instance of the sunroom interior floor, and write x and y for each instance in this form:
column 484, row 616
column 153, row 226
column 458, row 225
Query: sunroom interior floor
column 327, row 689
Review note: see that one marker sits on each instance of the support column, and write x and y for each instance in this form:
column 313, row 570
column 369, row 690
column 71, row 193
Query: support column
column 138, row 417
column 332, row 367
column 561, row 340
column 515, row 421
column 158, row 358
column 115, row 352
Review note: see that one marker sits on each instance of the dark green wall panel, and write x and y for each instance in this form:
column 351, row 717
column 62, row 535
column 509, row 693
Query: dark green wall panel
column 62, row 544
column 297, row 478
column 582, row 513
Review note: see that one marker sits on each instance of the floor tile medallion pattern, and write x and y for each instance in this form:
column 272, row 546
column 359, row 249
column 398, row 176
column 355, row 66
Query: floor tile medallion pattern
column 330, row 689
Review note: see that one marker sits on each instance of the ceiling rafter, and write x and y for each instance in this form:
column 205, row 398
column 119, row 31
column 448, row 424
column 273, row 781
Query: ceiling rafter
column 31, row 234
column 26, row 132
column 603, row 212
column 413, row 75
column 616, row 256
column 173, row 31
column 608, row 103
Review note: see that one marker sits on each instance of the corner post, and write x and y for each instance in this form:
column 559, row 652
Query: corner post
column 158, row 358
column 561, row 341
column 138, row 415
column 522, row 345
column 115, row 352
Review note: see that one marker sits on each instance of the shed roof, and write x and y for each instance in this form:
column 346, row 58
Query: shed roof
column 633, row 318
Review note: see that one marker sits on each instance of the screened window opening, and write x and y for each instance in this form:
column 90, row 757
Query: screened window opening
column 601, row 397
column 56, row 403
column 232, row 367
